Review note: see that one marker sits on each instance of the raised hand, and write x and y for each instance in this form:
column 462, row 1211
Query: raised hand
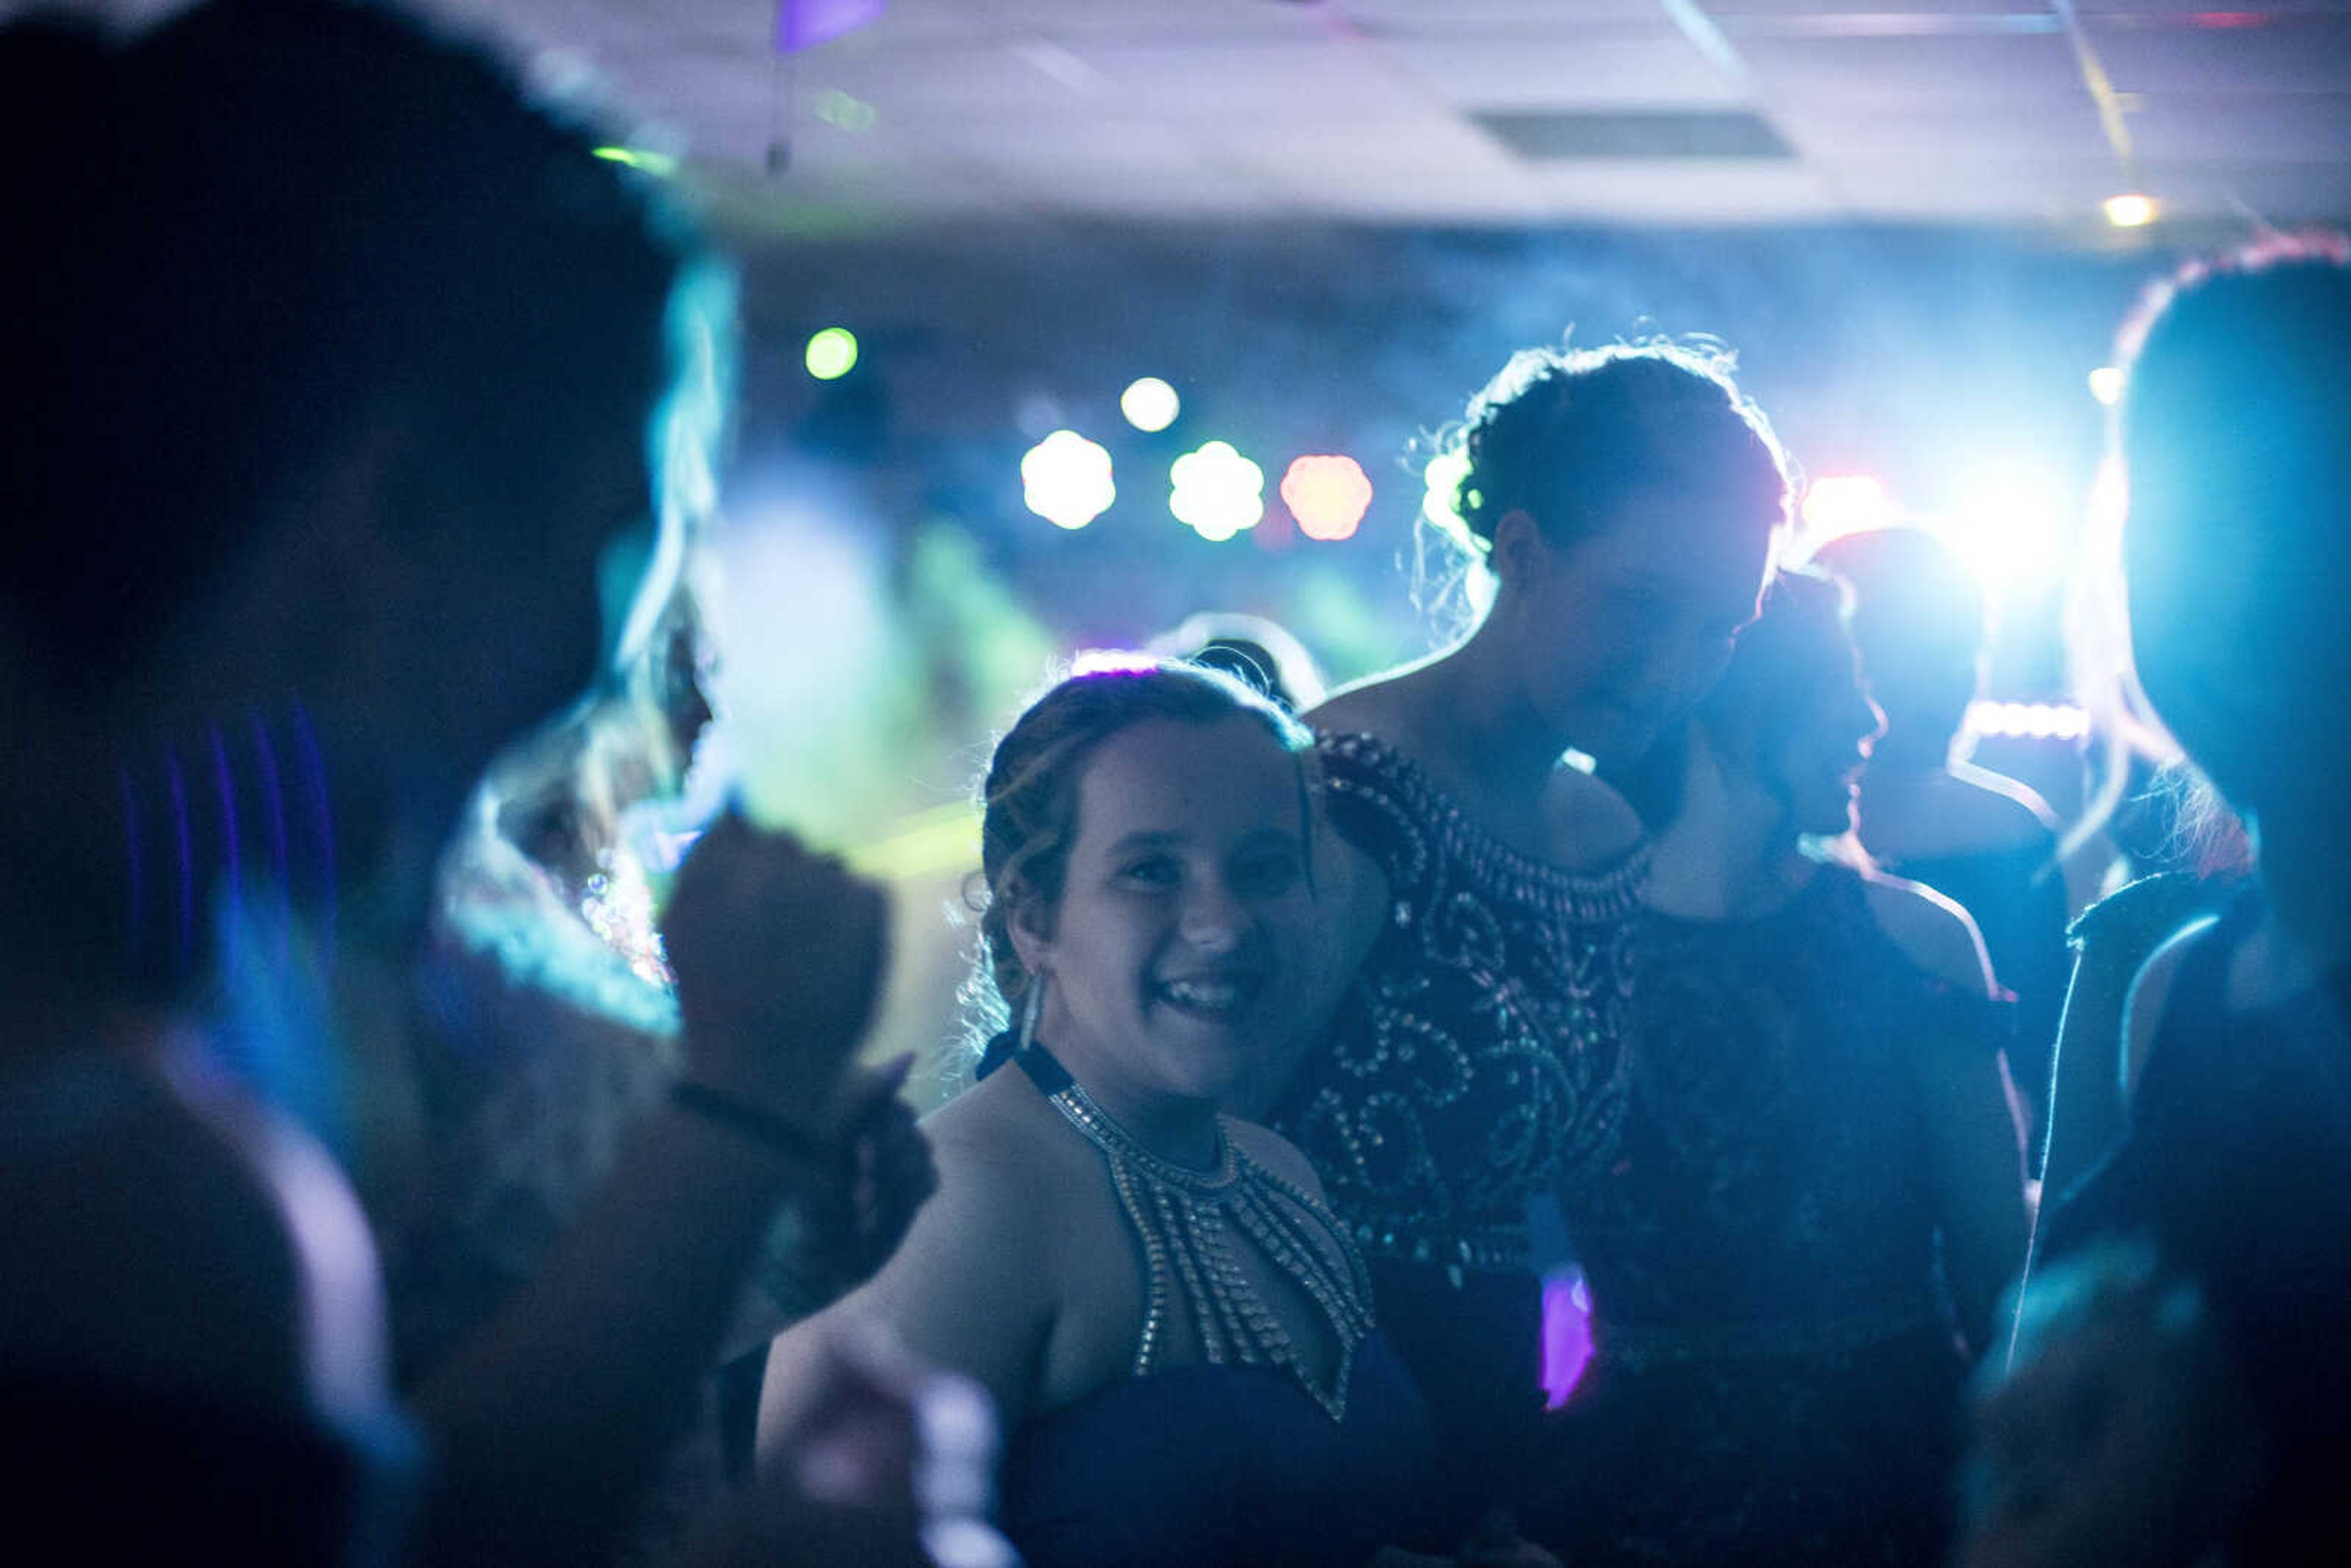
column 779, row 955
column 852, row 1222
column 2120, row 1435
column 872, row 1458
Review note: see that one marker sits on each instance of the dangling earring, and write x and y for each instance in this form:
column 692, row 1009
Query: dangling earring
column 1032, row 1002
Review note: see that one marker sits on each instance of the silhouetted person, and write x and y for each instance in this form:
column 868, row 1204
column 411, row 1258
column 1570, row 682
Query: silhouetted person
column 2183, row 1389
column 1981, row 839
column 338, row 363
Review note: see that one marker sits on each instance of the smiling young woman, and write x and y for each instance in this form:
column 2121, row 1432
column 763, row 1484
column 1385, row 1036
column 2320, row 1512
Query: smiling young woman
column 1154, row 1294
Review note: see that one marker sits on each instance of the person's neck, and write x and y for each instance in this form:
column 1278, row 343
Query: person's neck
column 1729, row 853
column 1480, row 715
column 1179, row 1129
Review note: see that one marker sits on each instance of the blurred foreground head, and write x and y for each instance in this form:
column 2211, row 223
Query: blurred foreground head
column 1920, row 621
column 337, row 361
column 2235, row 436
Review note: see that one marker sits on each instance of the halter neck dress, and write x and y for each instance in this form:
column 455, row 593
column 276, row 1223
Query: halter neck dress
column 1220, row 1464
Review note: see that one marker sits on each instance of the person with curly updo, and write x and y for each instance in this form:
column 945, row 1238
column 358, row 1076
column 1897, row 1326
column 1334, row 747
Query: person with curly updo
column 1921, row 619
column 1175, row 1328
column 1480, row 888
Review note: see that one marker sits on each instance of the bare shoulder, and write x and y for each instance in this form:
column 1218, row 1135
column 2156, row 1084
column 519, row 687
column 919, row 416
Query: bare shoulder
column 1934, row 933
column 1275, row 1153
column 1999, row 809
column 1377, row 706
column 996, row 1142
column 1587, row 822
column 979, row 1280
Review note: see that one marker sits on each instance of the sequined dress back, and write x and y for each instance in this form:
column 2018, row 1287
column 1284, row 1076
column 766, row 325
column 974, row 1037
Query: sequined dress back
column 1474, row 1065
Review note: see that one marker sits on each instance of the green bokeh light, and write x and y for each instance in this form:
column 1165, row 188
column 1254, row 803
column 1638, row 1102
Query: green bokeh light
column 832, row 353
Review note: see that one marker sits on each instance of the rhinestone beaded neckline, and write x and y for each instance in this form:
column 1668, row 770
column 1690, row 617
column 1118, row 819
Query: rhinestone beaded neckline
column 1186, row 1221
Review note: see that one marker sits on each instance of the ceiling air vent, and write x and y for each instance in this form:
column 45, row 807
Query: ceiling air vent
column 1635, row 133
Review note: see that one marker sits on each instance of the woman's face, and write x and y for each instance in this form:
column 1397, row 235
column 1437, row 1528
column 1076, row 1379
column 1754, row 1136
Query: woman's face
column 1620, row 634
column 1173, row 959
column 1815, row 769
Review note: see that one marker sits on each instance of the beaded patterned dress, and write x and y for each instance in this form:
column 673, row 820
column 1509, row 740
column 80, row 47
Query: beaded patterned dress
column 1474, row 1066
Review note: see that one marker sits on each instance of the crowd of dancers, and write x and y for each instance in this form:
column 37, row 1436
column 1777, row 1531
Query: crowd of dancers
column 1316, row 1042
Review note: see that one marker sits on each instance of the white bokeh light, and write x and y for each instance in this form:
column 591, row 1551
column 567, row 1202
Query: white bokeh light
column 1066, row 480
column 1218, row 493
column 1150, row 404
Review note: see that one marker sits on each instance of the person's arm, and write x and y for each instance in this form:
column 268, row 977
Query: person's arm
column 2085, row 1084
column 1977, row 1158
column 1975, row 1152
column 548, row 1424
column 971, row 1289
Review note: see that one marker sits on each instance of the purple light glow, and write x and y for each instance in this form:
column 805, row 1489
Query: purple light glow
column 1566, row 1334
column 187, row 854
column 804, row 24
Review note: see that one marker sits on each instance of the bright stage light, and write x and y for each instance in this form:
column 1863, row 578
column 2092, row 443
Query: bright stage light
column 1112, row 662
column 1837, row 505
column 2013, row 528
column 2029, row 721
column 2130, row 209
column 831, row 353
column 1150, row 404
column 2106, row 384
column 1327, row 495
column 1066, row 480
column 1218, row 492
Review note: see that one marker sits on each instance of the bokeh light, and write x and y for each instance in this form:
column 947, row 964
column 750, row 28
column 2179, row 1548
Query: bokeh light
column 2106, row 384
column 1066, row 479
column 1218, row 492
column 1328, row 494
column 831, row 353
column 1443, row 477
column 1567, row 1345
column 2130, row 209
column 645, row 160
column 1150, row 404
column 2029, row 721
column 844, row 112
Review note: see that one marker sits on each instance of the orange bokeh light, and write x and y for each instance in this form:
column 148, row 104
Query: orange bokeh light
column 1328, row 494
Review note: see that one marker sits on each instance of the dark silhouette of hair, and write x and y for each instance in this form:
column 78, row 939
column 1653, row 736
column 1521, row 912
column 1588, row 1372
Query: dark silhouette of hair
column 240, row 232
column 250, row 237
column 1566, row 436
column 1920, row 619
column 1028, row 802
column 1766, row 693
column 2235, row 435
